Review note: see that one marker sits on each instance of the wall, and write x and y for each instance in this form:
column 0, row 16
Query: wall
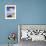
column 6, row 26
column 28, row 12
column 31, row 11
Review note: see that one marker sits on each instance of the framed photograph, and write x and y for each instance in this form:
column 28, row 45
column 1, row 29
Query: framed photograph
column 31, row 32
column 10, row 11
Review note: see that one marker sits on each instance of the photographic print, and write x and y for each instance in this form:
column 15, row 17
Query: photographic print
column 29, row 34
column 10, row 11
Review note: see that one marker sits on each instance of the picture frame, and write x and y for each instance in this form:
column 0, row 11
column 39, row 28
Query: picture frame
column 10, row 11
